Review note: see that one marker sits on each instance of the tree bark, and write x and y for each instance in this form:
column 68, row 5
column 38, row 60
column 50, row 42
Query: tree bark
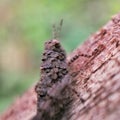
column 96, row 80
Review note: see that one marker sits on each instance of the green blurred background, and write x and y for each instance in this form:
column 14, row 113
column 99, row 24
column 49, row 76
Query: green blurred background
column 26, row 24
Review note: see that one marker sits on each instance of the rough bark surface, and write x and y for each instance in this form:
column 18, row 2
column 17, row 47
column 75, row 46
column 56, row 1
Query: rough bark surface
column 23, row 108
column 96, row 80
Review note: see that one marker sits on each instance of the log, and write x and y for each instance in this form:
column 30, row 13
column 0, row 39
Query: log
column 95, row 80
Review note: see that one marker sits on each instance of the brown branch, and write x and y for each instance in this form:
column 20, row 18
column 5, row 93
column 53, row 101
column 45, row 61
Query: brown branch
column 96, row 80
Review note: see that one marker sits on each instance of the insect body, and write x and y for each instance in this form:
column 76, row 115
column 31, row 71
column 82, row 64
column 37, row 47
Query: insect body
column 54, row 77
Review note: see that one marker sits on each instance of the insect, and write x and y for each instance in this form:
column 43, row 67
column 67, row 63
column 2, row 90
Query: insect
column 51, row 91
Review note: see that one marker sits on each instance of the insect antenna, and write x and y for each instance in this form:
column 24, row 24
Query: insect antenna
column 57, row 30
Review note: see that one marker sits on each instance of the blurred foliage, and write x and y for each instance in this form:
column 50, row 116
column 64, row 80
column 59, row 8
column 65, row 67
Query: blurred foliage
column 26, row 24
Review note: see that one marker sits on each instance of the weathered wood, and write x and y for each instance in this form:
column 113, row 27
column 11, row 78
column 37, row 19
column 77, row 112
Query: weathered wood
column 96, row 80
column 23, row 108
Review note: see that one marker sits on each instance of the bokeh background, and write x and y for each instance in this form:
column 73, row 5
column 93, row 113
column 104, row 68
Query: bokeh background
column 26, row 24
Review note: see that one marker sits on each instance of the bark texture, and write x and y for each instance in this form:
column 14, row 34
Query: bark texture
column 96, row 80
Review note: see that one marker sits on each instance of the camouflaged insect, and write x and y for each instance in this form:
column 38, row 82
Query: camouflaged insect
column 51, row 95
column 53, row 91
